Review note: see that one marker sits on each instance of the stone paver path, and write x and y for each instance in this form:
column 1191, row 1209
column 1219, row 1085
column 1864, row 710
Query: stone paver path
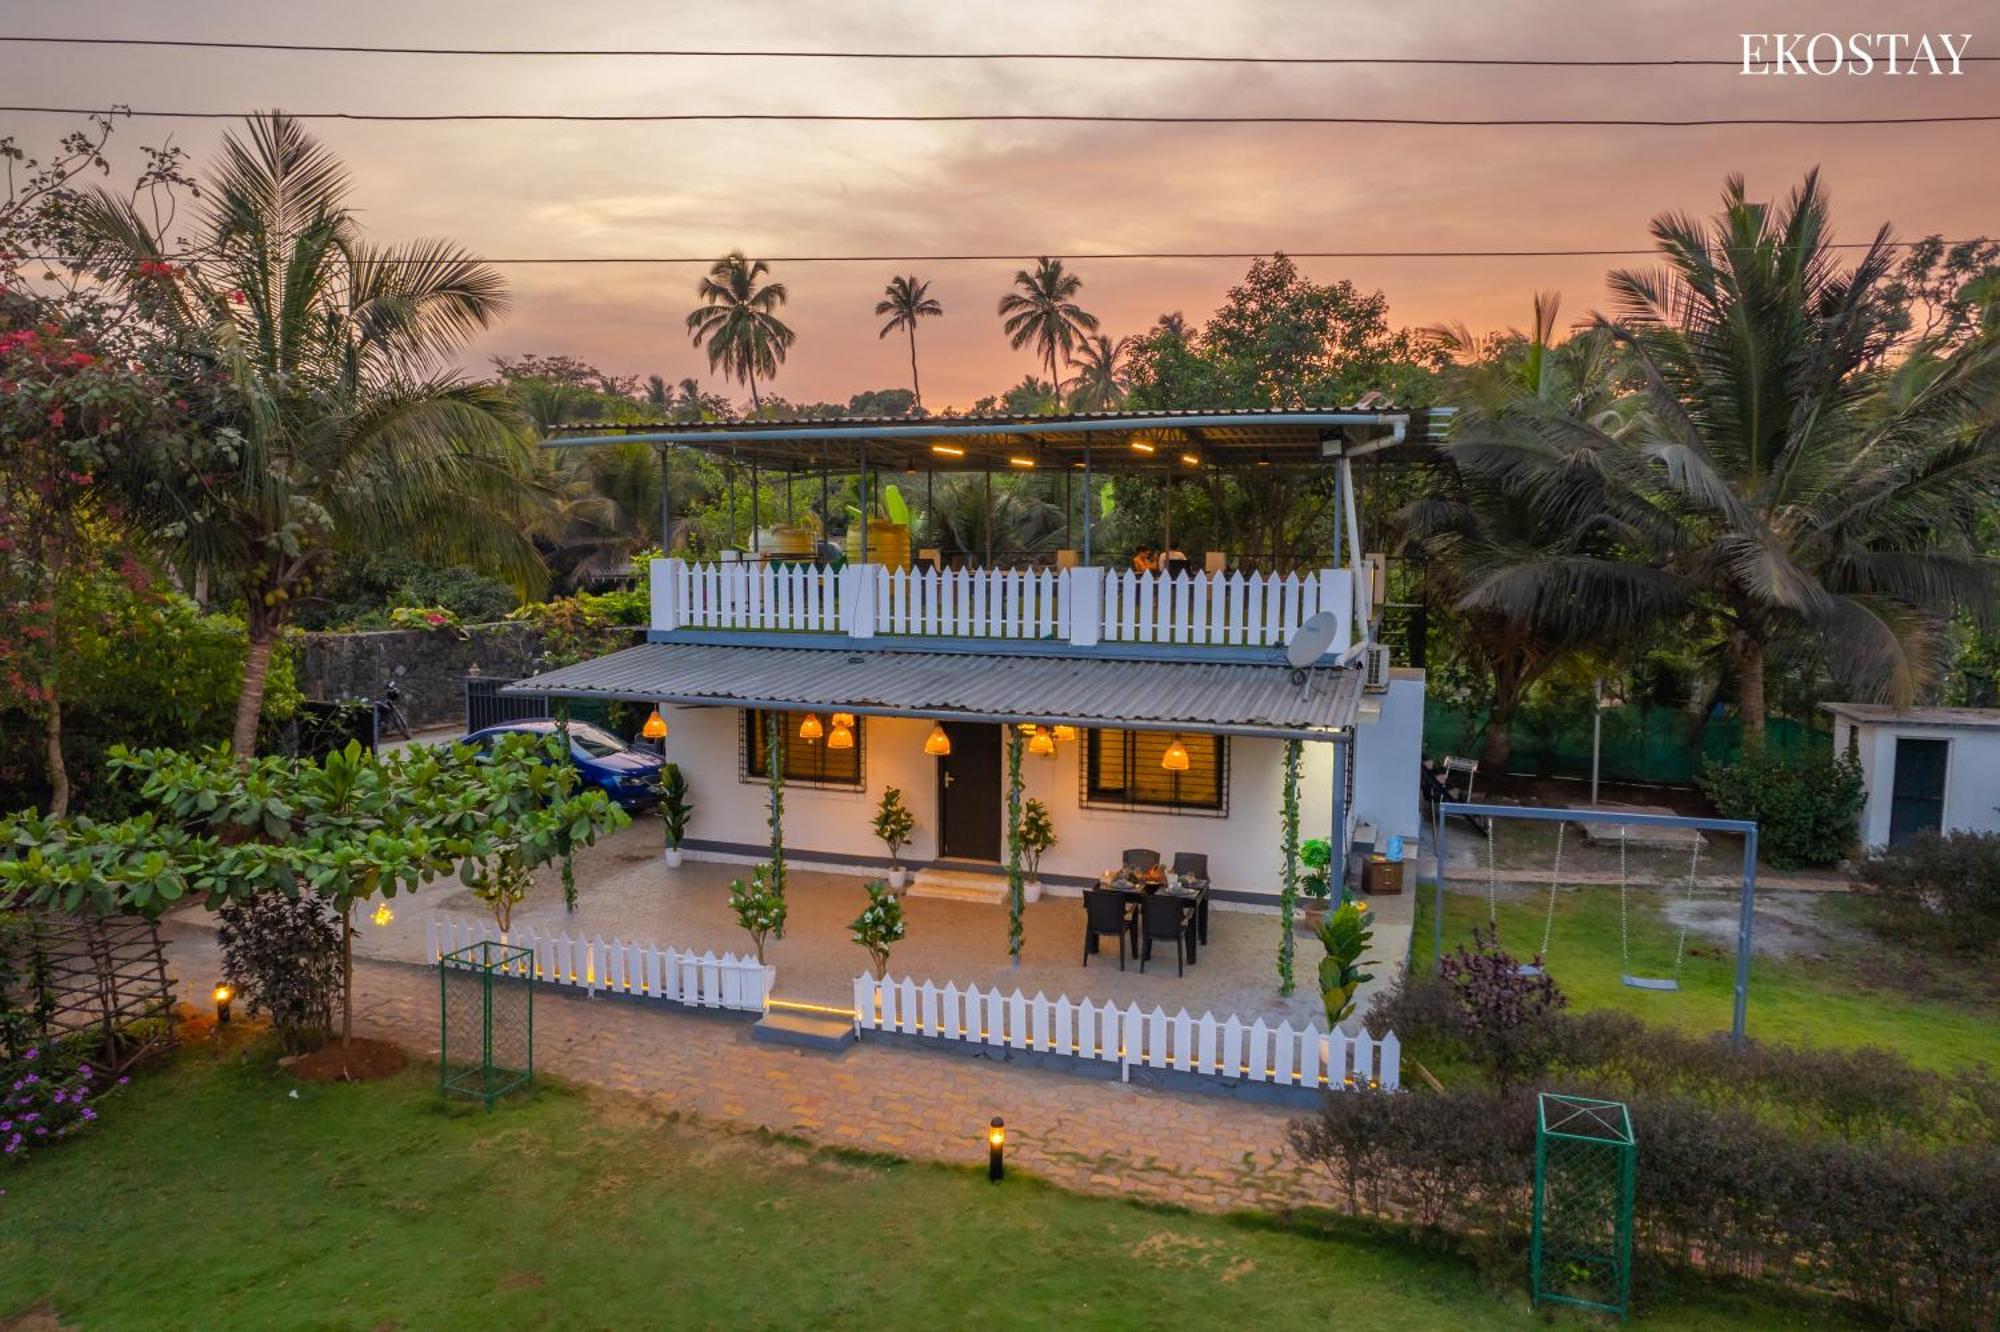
column 1080, row 1133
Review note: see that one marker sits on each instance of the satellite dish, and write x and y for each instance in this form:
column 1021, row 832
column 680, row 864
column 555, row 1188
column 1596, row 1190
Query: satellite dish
column 1311, row 640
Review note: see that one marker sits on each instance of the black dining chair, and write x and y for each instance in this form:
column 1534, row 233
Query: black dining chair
column 1191, row 865
column 1165, row 918
column 1141, row 858
column 1104, row 913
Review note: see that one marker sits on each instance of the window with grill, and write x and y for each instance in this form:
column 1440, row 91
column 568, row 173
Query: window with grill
column 810, row 762
column 1123, row 769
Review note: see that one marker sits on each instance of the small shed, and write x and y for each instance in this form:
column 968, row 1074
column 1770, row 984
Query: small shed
column 1921, row 768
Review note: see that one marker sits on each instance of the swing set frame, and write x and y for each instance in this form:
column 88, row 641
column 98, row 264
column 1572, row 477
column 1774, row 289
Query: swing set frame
column 1746, row 910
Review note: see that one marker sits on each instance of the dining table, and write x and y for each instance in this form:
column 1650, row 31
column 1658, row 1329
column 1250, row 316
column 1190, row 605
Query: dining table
column 1137, row 885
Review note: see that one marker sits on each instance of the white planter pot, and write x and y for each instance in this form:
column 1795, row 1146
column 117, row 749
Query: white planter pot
column 1031, row 891
column 898, row 877
column 672, row 855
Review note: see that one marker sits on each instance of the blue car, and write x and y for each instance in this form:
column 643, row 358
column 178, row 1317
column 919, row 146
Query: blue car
column 604, row 761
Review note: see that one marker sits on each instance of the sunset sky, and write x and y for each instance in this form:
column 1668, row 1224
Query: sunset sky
column 549, row 189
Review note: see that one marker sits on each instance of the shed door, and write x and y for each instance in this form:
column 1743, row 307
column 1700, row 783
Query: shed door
column 1916, row 801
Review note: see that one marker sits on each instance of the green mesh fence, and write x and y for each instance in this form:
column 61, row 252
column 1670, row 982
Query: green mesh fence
column 487, row 1017
column 1641, row 744
column 1585, row 1157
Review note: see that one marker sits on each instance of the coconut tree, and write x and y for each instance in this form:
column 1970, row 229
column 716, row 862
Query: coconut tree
column 1042, row 309
column 1100, row 366
column 737, row 321
column 1824, row 497
column 323, row 365
column 906, row 300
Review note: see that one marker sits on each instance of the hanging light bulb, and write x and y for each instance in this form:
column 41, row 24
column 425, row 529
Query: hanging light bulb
column 1063, row 732
column 843, row 719
column 937, row 744
column 810, row 729
column 1026, row 728
column 1176, row 757
column 840, row 737
column 1041, row 742
column 655, row 727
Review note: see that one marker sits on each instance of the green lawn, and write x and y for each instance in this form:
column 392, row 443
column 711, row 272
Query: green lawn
column 1940, row 1014
column 211, row 1197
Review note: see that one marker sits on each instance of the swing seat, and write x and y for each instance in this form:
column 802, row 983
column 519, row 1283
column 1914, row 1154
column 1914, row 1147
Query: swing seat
column 1527, row 969
column 1651, row 982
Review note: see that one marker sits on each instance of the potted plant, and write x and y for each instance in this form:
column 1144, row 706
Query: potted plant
column 1316, row 884
column 675, row 811
column 879, row 925
column 895, row 825
column 1037, row 836
column 1345, row 936
column 759, row 907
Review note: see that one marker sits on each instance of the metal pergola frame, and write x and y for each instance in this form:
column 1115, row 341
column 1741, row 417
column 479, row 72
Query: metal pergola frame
column 1746, row 910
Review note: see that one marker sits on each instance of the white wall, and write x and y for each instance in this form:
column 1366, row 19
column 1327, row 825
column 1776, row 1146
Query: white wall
column 1972, row 773
column 1242, row 848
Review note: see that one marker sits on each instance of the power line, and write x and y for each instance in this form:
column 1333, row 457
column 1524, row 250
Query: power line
column 1106, row 57
column 823, row 117
column 1094, row 256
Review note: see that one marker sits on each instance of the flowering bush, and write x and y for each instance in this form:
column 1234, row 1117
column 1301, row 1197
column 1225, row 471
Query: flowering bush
column 880, row 925
column 427, row 617
column 42, row 1105
column 759, row 906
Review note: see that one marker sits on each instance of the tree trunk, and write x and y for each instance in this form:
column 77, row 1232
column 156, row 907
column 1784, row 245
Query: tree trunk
column 250, row 701
column 52, row 732
column 1750, row 707
column 201, row 584
column 916, row 386
column 756, row 403
column 347, row 975
column 1510, row 683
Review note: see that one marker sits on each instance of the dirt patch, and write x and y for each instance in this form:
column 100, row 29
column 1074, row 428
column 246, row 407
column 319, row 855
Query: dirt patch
column 360, row 1060
column 1787, row 925
column 523, row 1281
column 40, row 1317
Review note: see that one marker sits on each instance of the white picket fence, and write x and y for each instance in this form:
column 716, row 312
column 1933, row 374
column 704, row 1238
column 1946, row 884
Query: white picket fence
column 1232, row 609
column 973, row 603
column 697, row 980
column 1083, row 607
column 1228, row 1048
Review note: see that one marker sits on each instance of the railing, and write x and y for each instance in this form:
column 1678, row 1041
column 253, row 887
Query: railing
column 1082, row 607
column 683, row 977
column 1230, row 1049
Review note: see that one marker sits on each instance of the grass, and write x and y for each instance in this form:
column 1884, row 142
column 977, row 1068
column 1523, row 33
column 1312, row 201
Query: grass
column 1939, row 1012
column 212, row 1196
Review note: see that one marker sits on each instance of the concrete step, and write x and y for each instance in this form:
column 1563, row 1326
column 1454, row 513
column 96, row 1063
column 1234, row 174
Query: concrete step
column 960, row 886
column 811, row 1031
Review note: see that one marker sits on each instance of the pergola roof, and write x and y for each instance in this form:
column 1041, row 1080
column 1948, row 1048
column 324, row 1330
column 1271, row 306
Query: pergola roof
column 1227, row 698
column 1112, row 441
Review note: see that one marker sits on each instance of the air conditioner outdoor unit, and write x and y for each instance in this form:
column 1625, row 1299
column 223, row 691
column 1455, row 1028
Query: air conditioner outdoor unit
column 1375, row 669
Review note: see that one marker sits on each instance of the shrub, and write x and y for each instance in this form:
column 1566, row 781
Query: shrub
column 1508, row 1019
column 759, row 906
column 1942, row 887
column 879, row 926
column 1908, row 1234
column 283, row 956
column 1805, row 806
column 42, row 1103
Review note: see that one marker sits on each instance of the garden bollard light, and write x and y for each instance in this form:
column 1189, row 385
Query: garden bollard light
column 223, row 994
column 996, row 1148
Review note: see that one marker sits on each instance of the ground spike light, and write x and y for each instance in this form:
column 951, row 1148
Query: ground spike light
column 996, row 1149
column 223, row 994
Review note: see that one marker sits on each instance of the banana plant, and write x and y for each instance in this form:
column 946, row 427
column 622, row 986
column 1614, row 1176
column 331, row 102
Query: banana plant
column 1345, row 935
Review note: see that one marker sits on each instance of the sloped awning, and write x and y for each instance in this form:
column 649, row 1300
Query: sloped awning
column 1222, row 698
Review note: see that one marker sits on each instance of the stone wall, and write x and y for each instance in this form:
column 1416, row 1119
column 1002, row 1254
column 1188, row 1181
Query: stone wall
column 337, row 666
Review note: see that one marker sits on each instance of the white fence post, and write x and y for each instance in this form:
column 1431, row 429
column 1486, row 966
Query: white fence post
column 1083, row 605
column 665, row 576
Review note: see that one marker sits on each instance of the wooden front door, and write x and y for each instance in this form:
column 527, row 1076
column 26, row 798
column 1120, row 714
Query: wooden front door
column 969, row 816
column 1916, row 801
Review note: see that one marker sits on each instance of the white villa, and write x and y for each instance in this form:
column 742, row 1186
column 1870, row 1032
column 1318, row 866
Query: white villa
column 1163, row 701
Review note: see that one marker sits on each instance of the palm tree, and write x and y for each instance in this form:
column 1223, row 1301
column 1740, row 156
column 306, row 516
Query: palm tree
column 906, row 300
column 1803, row 494
column 738, row 321
column 1101, row 366
column 1042, row 309
column 324, row 366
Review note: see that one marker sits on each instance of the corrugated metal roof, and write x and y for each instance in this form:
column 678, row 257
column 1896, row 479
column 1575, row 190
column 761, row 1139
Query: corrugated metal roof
column 1881, row 714
column 1227, row 697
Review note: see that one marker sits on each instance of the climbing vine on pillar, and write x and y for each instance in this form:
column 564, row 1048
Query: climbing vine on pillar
column 1014, row 843
column 774, row 773
column 1288, row 892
